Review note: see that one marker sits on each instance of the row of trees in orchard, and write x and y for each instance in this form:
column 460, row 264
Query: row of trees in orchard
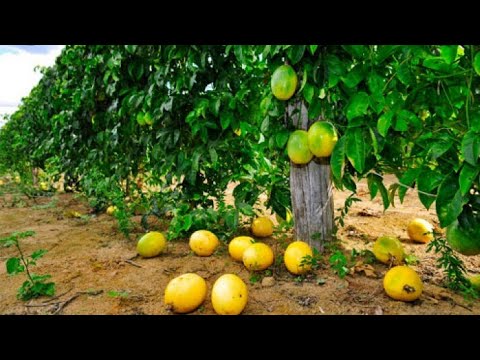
column 193, row 119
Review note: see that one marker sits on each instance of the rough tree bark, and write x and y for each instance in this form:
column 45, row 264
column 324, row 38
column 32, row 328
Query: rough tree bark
column 311, row 192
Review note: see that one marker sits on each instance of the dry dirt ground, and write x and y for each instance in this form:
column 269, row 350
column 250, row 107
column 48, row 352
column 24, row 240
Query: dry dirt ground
column 96, row 271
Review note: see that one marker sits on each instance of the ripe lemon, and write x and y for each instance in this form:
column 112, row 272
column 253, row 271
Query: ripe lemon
column 229, row 295
column 203, row 242
column 185, row 293
column 388, row 248
column 402, row 283
column 294, row 255
column 151, row 244
column 258, row 256
column 322, row 138
column 238, row 245
column 297, row 148
column 464, row 241
column 111, row 210
column 262, row 227
column 420, row 230
column 284, row 82
column 43, row 186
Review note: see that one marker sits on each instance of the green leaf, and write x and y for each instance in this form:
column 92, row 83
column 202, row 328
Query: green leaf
column 372, row 186
column 265, row 124
column 225, row 119
column 383, row 52
column 438, row 148
column 428, row 180
column 401, row 122
column 407, row 179
column 308, row 93
column 471, row 147
column 354, row 77
column 38, row 254
column 355, row 148
column 131, row 48
column 231, row 220
column 314, row 109
column 215, row 106
column 336, row 69
column 213, row 155
column 245, row 209
column 337, row 160
column 384, row 123
column 14, row 266
column 281, row 138
column 449, row 53
column 449, row 200
column 48, row 289
column 313, row 48
column 356, row 50
column 404, row 74
column 304, row 79
column 383, row 190
column 467, row 176
column 295, row 53
column 376, row 83
column 238, row 50
column 391, row 193
column 357, row 106
column 476, row 63
column 196, row 160
column 436, row 63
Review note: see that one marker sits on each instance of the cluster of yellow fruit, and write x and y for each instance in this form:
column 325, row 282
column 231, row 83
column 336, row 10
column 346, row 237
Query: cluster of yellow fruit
column 402, row 282
column 319, row 141
column 187, row 292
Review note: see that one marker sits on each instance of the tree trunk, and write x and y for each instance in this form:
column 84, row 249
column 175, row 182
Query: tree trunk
column 312, row 192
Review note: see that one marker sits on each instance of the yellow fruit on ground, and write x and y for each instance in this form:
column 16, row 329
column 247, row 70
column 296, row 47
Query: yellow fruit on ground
column 294, row 255
column 1, row 182
column 322, row 138
column 475, row 281
column 43, row 186
column 185, row 293
column 297, row 148
column 151, row 244
column 388, row 249
column 284, row 82
column 238, row 245
column 420, row 230
column 111, row 210
column 17, row 179
column 262, row 227
column 229, row 295
column 402, row 283
column 203, row 242
column 258, row 256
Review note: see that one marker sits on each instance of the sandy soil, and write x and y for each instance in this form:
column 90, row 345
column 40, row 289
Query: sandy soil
column 95, row 268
